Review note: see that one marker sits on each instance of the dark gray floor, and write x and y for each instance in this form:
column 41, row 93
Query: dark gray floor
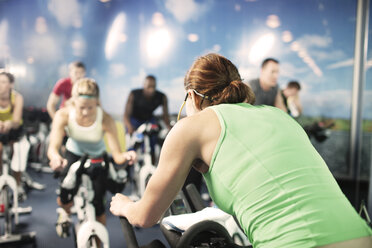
column 43, row 218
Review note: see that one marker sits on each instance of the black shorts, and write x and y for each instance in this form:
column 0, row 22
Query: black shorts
column 12, row 135
column 100, row 182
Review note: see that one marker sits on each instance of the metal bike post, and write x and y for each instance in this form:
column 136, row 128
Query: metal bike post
column 360, row 57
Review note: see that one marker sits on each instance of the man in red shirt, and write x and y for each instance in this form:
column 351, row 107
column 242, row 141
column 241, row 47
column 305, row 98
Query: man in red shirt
column 63, row 87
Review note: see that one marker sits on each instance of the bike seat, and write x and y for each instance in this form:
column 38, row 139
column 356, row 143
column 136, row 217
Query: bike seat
column 204, row 232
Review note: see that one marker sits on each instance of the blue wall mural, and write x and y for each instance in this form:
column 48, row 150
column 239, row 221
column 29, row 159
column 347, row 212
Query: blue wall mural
column 121, row 41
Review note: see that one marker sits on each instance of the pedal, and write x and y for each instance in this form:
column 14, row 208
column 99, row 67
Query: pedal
column 22, row 210
column 36, row 166
column 37, row 186
column 63, row 223
column 22, row 196
column 47, row 169
column 17, row 239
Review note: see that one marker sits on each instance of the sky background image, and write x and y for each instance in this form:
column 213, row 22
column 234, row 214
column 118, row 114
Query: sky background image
column 121, row 41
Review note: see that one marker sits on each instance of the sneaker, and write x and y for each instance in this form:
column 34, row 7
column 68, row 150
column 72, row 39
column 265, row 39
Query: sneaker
column 63, row 223
column 22, row 196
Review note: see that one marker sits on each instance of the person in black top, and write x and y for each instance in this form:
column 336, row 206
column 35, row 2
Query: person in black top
column 141, row 105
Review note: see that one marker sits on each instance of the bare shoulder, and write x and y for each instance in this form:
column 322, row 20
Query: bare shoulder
column 106, row 118
column 198, row 126
column 108, row 123
column 18, row 97
column 62, row 115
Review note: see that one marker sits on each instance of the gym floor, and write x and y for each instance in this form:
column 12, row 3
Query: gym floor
column 43, row 217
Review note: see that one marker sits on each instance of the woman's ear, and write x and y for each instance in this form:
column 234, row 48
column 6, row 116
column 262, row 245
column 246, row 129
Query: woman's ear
column 195, row 100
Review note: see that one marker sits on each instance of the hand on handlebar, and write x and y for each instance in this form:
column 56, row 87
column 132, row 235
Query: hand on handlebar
column 130, row 156
column 130, row 130
column 5, row 126
column 58, row 163
column 118, row 204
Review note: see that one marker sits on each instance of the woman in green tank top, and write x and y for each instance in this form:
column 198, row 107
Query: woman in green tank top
column 258, row 163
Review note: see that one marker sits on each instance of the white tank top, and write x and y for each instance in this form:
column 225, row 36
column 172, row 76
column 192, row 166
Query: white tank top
column 91, row 134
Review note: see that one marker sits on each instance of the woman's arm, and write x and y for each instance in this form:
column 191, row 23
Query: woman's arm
column 17, row 111
column 192, row 138
column 109, row 127
column 128, row 113
column 279, row 102
column 15, row 122
column 165, row 112
column 56, row 137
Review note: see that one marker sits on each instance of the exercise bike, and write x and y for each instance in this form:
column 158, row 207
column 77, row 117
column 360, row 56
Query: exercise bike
column 9, row 205
column 203, row 234
column 87, row 229
column 144, row 168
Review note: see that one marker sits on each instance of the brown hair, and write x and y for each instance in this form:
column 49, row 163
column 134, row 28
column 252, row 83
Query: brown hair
column 9, row 76
column 294, row 84
column 77, row 64
column 267, row 60
column 218, row 78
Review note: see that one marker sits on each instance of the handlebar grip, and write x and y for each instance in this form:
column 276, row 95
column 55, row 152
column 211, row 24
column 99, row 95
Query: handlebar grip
column 129, row 235
column 56, row 174
column 122, row 166
column 195, row 197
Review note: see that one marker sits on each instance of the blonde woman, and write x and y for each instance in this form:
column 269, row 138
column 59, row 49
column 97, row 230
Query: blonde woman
column 85, row 123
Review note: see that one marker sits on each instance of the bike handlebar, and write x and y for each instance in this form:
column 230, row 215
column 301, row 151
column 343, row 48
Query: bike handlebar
column 129, row 235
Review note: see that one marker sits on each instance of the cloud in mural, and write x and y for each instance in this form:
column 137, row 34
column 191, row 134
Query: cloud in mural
column 329, row 55
column 43, row 48
column 115, row 36
column 273, row 21
column 66, row 12
column 41, row 26
column 186, row 10
column 308, row 41
column 333, row 103
column 175, row 93
column 114, row 97
column 3, row 31
column 78, row 45
column 288, row 70
column 117, row 70
column 347, row 63
column 341, row 64
column 4, row 48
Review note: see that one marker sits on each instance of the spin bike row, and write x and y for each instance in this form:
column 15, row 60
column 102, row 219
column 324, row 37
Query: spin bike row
column 87, row 231
column 14, row 158
column 23, row 147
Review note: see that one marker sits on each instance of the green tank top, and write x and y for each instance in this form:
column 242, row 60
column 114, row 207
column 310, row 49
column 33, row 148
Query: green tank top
column 265, row 171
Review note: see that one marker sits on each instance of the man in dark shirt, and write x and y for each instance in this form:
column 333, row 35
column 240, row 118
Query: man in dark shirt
column 140, row 107
column 142, row 103
column 265, row 87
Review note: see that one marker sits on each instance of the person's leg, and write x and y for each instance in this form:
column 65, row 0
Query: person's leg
column 65, row 198
column 154, row 142
column 1, row 158
column 99, row 187
column 135, row 124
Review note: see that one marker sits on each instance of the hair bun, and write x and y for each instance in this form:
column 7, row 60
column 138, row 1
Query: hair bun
column 235, row 92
